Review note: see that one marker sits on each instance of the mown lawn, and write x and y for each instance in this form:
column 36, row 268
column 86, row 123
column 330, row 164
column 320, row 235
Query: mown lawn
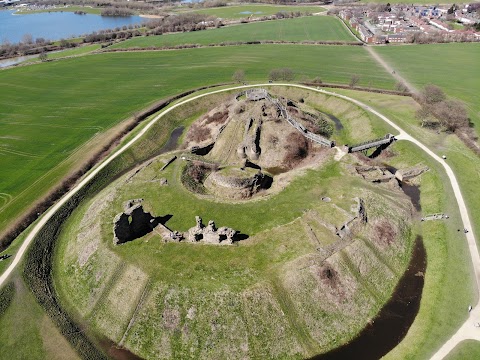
column 243, row 11
column 313, row 28
column 453, row 67
column 50, row 110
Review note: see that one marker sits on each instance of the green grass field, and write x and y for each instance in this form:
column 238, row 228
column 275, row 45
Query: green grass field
column 453, row 67
column 243, row 11
column 467, row 349
column 50, row 110
column 314, row 28
column 81, row 50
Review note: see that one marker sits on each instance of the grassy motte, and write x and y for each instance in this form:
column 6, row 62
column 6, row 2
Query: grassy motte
column 271, row 295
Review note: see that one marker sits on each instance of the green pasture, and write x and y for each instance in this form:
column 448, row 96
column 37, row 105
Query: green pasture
column 313, row 28
column 52, row 112
column 467, row 349
column 449, row 284
column 244, row 11
column 453, row 67
column 81, row 50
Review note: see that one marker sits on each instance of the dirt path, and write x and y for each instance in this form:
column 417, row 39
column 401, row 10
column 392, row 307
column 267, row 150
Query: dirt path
column 390, row 70
column 467, row 331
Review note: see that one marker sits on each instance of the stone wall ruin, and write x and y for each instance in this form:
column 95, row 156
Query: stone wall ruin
column 134, row 223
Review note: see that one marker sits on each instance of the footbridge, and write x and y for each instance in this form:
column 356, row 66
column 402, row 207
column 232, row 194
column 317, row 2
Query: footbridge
column 382, row 142
column 259, row 94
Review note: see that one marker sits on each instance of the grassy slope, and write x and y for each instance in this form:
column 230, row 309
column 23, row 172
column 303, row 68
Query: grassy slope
column 449, row 287
column 28, row 333
column 49, row 110
column 235, row 12
column 467, row 349
column 454, row 67
column 317, row 28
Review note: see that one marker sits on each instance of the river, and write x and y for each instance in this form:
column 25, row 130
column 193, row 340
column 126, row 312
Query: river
column 56, row 25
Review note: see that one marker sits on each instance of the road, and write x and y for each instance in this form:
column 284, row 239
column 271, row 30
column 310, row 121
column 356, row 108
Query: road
column 467, row 331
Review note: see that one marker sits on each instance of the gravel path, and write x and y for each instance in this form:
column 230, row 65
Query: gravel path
column 390, row 70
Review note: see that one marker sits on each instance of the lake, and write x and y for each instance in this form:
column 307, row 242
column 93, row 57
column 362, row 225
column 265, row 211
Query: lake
column 56, row 25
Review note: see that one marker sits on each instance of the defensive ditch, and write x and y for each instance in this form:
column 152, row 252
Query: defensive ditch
column 391, row 325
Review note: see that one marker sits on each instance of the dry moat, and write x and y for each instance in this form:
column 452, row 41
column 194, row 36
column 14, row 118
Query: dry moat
column 258, row 236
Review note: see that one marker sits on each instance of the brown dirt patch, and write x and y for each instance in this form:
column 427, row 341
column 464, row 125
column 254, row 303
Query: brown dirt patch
column 384, row 233
column 171, row 319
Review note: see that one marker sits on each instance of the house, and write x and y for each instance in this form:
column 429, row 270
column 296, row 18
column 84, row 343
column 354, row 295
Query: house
column 396, row 38
column 366, row 35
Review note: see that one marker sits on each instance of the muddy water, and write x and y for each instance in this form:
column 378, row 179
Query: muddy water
column 172, row 141
column 392, row 323
column 337, row 122
column 413, row 192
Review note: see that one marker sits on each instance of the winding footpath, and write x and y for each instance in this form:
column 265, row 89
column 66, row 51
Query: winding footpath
column 467, row 331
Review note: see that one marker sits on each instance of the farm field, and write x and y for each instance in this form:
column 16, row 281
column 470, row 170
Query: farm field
column 44, row 130
column 243, row 11
column 311, row 28
column 81, row 50
column 453, row 67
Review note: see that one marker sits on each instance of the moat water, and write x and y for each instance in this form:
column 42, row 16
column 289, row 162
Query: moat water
column 391, row 325
column 56, row 25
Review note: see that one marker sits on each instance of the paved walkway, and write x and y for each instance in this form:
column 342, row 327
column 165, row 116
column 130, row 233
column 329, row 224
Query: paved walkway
column 467, row 331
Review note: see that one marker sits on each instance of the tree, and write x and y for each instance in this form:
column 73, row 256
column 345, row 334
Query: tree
column 239, row 76
column 452, row 114
column 433, row 94
column 354, row 80
column 400, row 86
column 286, row 74
column 43, row 56
column 27, row 39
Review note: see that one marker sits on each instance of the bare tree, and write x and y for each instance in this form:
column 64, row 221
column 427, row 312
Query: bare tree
column 400, row 86
column 433, row 94
column 286, row 74
column 43, row 56
column 239, row 76
column 354, row 80
column 452, row 114
column 27, row 39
